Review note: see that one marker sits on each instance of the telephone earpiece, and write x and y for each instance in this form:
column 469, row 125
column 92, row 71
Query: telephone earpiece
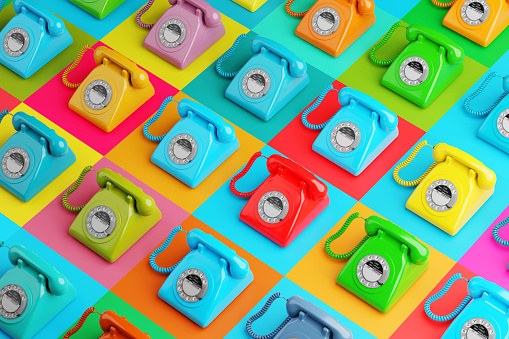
column 297, row 66
column 55, row 27
column 505, row 82
column 211, row 16
column 365, row 7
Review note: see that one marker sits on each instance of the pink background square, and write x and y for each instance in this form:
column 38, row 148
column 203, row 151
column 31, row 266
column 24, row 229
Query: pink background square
column 7, row 101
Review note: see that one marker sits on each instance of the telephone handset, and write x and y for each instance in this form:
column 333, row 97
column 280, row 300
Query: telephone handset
column 115, row 218
column 184, row 32
column 250, row 5
column 357, row 133
column 196, row 145
column 32, row 293
column 206, row 280
column 268, row 81
column 285, row 203
column 98, row 8
column 454, row 187
column 32, row 38
column 481, row 314
column 32, row 157
column 425, row 67
column 333, row 25
column 385, row 264
column 478, row 20
column 112, row 91
column 305, row 320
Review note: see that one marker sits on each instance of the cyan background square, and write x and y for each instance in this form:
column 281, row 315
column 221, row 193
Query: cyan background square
column 400, row 9
column 8, row 228
column 229, row 206
column 241, row 15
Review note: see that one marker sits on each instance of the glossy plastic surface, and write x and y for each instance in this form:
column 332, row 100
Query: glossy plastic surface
column 489, row 130
column 117, row 327
column 98, row 8
column 251, row 5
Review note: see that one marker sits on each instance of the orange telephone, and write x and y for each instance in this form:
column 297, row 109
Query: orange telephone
column 112, row 91
column 333, row 25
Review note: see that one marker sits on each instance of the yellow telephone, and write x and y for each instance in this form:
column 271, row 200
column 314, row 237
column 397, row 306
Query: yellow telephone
column 112, row 91
column 450, row 192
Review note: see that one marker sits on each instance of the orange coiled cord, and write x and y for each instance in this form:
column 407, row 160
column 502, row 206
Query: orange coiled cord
column 80, row 323
column 73, row 66
column 443, row 4
column 292, row 13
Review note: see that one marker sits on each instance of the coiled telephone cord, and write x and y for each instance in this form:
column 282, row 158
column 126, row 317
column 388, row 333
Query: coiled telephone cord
column 340, row 233
column 380, row 44
column 313, row 107
column 439, row 295
column 443, row 4
column 241, row 174
column 141, row 12
column 3, row 114
column 80, row 323
column 74, row 64
column 495, row 232
column 226, row 56
column 73, row 188
column 161, row 248
column 2, row 2
column 479, row 91
column 258, row 315
column 292, row 13
column 408, row 161
column 154, row 119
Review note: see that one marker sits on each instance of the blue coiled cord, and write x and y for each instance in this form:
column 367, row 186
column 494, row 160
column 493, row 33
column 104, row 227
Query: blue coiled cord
column 495, row 232
column 2, row 4
column 227, row 55
column 313, row 107
column 439, row 295
column 154, row 119
column 479, row 91
column 3, row 114
column 260, row 314
column 161, row 249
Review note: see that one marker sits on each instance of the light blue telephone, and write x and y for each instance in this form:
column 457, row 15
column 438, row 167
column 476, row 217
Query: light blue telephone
column 32, row 38
column 495, row 128
column 357, row 133
column 32, row 157
column 268, row 81
column 32, row 293
column 196, row 145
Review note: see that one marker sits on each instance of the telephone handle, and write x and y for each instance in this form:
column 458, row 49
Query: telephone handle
column 145, row 204
column 364, row 6
column 477, row 286
column 211, row 16
column 317, row 189
column 297, row 66
column 57, row 145
column 225, row 131
column 388, row 120
column 110, row 319
column 296, row 304
column 239, row 268
column 56, row 26
column 486, row 178
column 505, row 83
column 418, row 252
column 455, row 54
column 139, row 78
column 57, row 282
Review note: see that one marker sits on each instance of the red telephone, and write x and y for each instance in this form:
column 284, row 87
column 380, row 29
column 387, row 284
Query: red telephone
column 285, row 203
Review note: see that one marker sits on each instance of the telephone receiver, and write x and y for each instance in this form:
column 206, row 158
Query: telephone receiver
column 477, row 286
column 57, row 145
column 111, row 322
column 224, row 131
column 317, row 189
column 486, row 178
column 505, row 82
column 55, row 27
column 139, row 78
column 57, row 282
column 418, row 252
column 364, row 7
column 297, row 66
column 211, row 16
column 145, row 204
column 238, row 267
column 454, row 54
column 388, row 120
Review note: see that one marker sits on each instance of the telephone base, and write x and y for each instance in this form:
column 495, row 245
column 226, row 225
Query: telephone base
column 489, row 130
column 100, row 9
column 250, row 5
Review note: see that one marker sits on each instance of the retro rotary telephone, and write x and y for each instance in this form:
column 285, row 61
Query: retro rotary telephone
column 305, row 321
column 183, row 32
column 425, row 67
column 285, row 203
column 112, row 91
column 384, row 265
column 206, row 280
column 32, row 293
column 357, row 133
column 478, row 20
column 251, row 5
column 196, row 145
column 114, row 326
column 98, row 8
column 32, row 38
column 495, row 128
column 268, row 81
column 115, row 218
column 482, row 314
column 453, row 188
column 32, row 157
column 333, row 25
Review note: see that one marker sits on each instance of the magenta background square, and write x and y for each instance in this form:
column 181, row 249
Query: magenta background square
column 51, row 226
column 487, row 257
column 52, row 101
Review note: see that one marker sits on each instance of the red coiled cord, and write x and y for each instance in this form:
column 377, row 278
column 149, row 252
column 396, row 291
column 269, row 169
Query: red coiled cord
column 241, row 174
column 80, row 323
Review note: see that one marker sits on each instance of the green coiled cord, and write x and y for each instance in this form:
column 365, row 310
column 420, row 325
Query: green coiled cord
column 340, row 233
column 380, row 44
column 74, row 188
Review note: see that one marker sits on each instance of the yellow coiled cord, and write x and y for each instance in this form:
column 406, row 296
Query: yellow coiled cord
column 409, row 160
column 73, row 66
column 443, row 4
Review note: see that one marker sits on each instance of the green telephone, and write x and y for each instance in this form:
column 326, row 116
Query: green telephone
column 384, row 265
column 115, row 218
column 425, row 67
